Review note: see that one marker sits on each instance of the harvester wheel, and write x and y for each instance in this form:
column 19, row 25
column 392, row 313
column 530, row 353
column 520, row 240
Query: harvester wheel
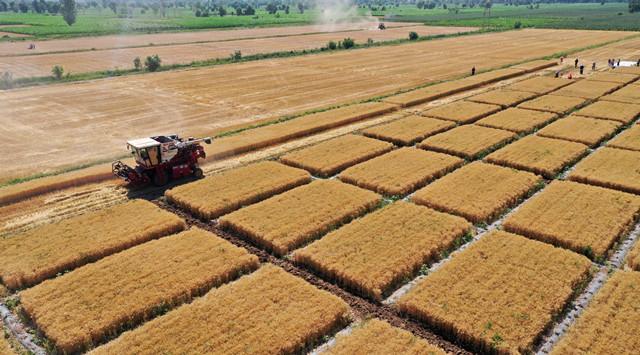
column 160, row 179
column 198, row 173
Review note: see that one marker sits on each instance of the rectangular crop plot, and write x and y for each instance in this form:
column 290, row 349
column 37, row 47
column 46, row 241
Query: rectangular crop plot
column 267, row 312
column 401, row 171
column 517, row 120
column 613, row 77
column 504, row 98
column 588, row 89
column 379, row 337
column 373, row 254
column 539, row 84
column 461, row 111
column 611, row 322
column 409, row 130
column 43, row 252
column 616, row 111
column 552, row 103
column 332, row 156
column 89, row 304
column 469, row 141
column 222, row 193
column 269, row 135
column 544, row 156
column 610, row 167
column 583, row 218
column 479, row 192
column 585, row 130
column 5, row 347
column 627, row 139
column 286, row 221
column 633, row 258
column 629, row 94
column 484, row 295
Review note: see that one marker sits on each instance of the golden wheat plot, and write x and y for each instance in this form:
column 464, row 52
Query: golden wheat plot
column 373, row 254
column 222, row 193
column 536, row 65
column 585, row 130
column 629, row 94
column 628, row 139
column 5, row 347
column 517, row 120
column 401, row 171
column 378, row 337
column 633, row 259
column 539, row 84
column 408, row 130
column 479, row 192
column 286, row 221
column 613, row 77
column 87, row 305
column 610, row 167
column 628, row 70
column 616, row 111
column 583, row 218
column 267, row 312
column 469, row 141
column 40, row 253
column 461, row 111
column 332, row 156
column 552, row 103
column 499, row 294
column 544, row 156
column 611, row 322
column 504, row 98
column 588, row 89
column 285, row 131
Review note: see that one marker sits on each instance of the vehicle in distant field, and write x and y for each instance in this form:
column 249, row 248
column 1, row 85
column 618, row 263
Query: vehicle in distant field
column 161, row 158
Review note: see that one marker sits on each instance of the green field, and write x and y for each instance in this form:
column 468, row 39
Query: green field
column 104, row 21
column 610, row 16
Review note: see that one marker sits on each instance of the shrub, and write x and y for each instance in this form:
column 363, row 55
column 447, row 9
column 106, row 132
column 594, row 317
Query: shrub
column 518, row 24
column 332, row 45
column 137, row 63
column 152, row 63
column 6, row 80
column 237, row 55
column 57, row 72
column 348, row 43
column 413, row 35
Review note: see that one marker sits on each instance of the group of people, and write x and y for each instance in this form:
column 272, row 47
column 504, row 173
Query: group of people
column 613, row 63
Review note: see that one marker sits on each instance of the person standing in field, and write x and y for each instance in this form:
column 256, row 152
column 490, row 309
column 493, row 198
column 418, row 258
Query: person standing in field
column 575, row 65
column 593, row 66
column 638, row 64
column 473, row 71
column 618, row 65
column 581, row 69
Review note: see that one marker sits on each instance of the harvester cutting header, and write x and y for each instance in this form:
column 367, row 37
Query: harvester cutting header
column 161, row 158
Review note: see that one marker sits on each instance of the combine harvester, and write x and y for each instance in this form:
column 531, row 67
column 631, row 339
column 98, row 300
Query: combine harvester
column 161, row 158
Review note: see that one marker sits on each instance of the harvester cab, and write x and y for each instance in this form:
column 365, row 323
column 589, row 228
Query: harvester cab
column 161, row 158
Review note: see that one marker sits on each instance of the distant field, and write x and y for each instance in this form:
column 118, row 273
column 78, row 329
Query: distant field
column 593, row 16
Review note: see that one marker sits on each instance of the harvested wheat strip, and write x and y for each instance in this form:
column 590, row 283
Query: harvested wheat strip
column 263, row 137
column 43, row 252
column 517, row 120
column 585, row 130
column 628, row 139
column 461, row 111
column 374, row 254
column 401, row 171
column 628, row 94
column 555, row 104
column 334, row 155
column 584, row 218
column 616, row 111
column 535, row 65
column 222, row 193
column 539, row 84
column 504, row 98
column 544, row 156
column 633, row 259
column 588, row 89
column 289, row 220
column 479, row 192
column 86, row 306
column 434, row 92
column 611, row 322
column 469, row 141
column 477, row 297
column 375, row 336
column 408, row 130
column 613, row 77
column 267, row 312
column 610, row 167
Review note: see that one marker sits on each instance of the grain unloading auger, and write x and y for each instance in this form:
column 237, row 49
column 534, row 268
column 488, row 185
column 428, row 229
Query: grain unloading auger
column 161, row 158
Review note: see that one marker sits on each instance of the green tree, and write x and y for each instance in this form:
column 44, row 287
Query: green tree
column 57, row 72
column 348, row 43
column 413, row 35
column 69, row 11
column 137, row 63
column 152, row 63
column 634, row 6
